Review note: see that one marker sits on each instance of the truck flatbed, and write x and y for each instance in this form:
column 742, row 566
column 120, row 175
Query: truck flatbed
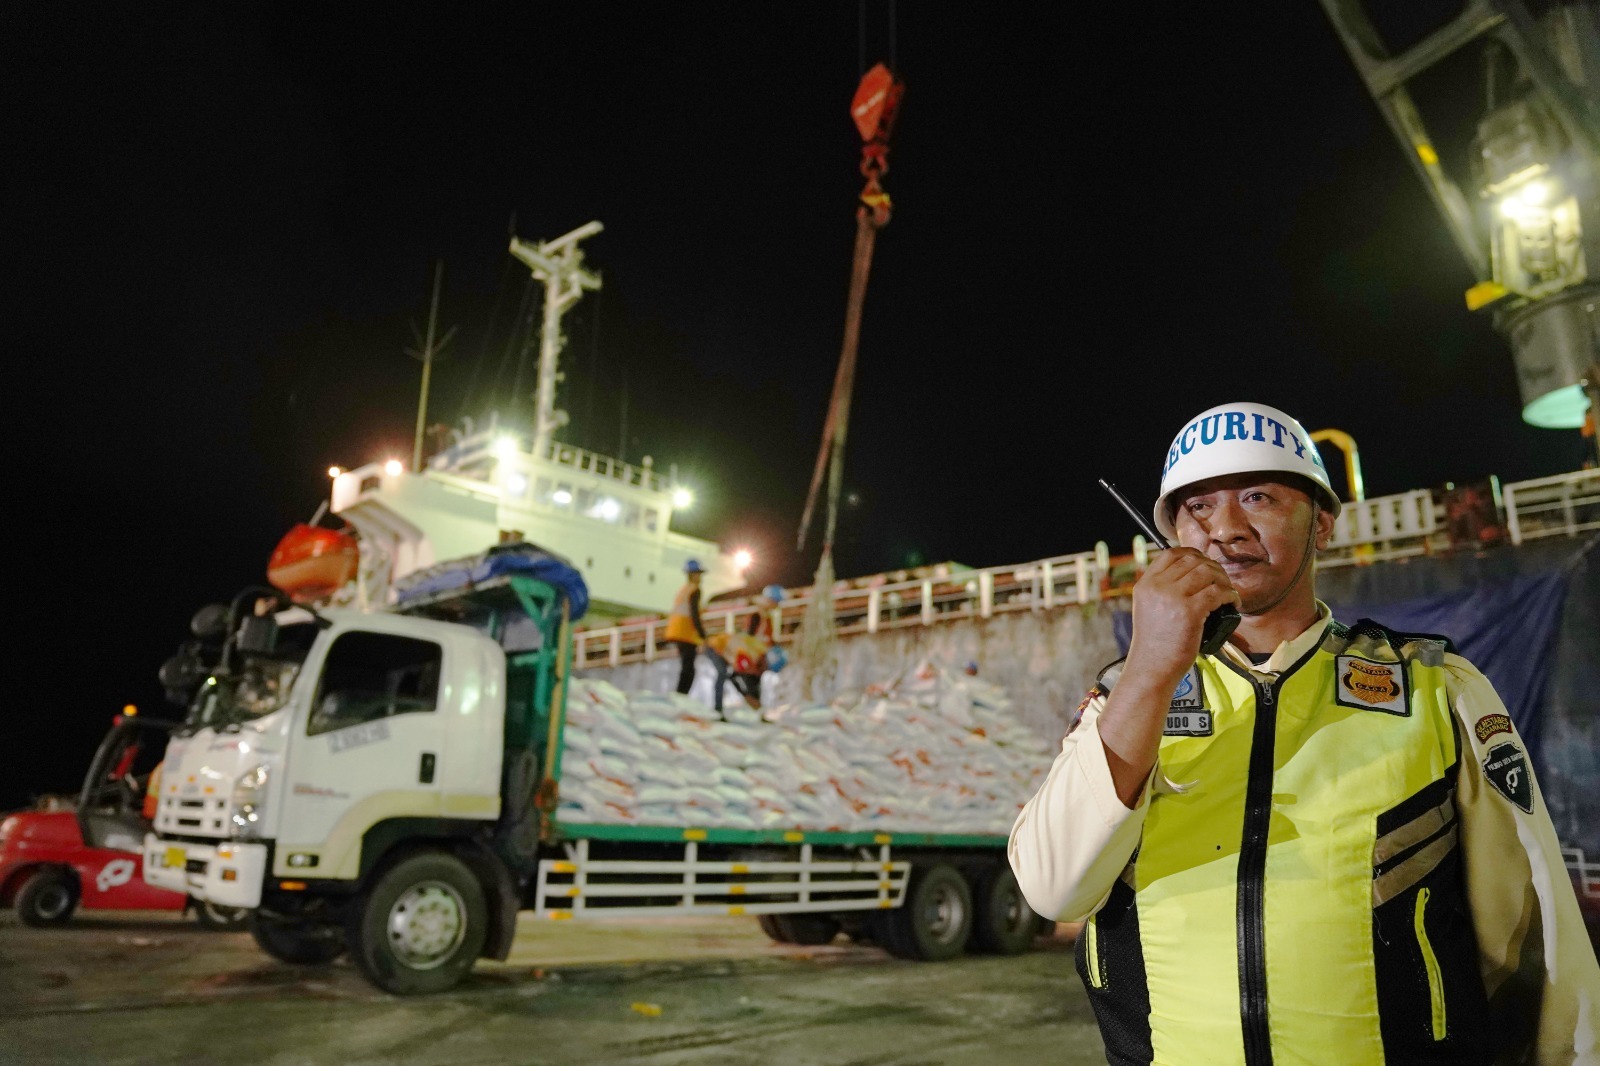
column 711, row 835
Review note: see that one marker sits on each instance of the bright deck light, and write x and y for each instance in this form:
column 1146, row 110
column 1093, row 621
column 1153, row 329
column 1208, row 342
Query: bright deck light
column 335, row 471
column 682, row 499
column 561, row 497
column 516, row 484
column 505, row 447
column 393, row 467
column 742, row 559
column 608, row 509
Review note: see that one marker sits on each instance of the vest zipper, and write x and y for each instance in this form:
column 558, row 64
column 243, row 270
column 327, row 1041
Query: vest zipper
column 1252, row 933
column 1252, row 879
column 1091, row 953
column 1431, row 961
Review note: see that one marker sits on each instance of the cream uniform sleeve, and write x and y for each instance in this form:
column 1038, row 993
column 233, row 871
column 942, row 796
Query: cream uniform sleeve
column 1538, row 965
column 1074, row 837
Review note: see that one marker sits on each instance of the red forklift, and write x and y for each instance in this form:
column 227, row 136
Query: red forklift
column 63, row 855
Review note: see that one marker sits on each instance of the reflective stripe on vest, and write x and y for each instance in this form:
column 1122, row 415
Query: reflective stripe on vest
column 1257, row 885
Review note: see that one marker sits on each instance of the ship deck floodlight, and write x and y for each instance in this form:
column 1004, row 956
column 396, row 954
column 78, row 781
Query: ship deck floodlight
column 742, row 559
column 682, row 499
column 394, row 468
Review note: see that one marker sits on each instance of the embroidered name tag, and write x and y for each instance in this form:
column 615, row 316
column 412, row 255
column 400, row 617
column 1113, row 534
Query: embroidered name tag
column 1188, row 716
column 1370, row 686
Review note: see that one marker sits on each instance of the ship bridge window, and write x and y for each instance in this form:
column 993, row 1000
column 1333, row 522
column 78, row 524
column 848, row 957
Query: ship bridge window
column 651, row 519
column 368, row 676
column 370, row 483
column 630, row 516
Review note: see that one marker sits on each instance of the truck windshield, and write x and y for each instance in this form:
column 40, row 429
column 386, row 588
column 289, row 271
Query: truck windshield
column 261, row 687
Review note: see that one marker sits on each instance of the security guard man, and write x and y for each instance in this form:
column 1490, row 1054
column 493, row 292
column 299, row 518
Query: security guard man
column 684, row 627
column 1324, row 843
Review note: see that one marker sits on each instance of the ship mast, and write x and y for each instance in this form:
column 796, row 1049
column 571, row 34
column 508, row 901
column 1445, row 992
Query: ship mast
column 559, row 265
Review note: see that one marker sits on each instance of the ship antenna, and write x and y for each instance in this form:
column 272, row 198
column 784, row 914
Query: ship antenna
column 559, row 264
column 427, row 354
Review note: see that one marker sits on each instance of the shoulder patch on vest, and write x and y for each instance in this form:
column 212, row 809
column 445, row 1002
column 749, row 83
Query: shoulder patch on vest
column 1506, row 767
column 1188, row 716
column 1368, row 685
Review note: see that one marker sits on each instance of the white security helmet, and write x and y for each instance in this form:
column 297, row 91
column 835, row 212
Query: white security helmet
column 1239, row 438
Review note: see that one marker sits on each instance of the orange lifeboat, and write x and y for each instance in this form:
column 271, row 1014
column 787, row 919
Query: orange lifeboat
column 311, row 563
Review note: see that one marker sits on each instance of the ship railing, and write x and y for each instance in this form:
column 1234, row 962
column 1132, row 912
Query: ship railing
column 884, row 605
column 1585, row 874
column 605, row 466
column 1385, row 528
column 1563, row 505
column 1405, row 525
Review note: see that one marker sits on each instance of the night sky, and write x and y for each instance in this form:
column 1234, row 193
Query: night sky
column 223, row 218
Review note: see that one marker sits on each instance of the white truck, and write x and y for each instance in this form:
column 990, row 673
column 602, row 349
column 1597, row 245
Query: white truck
column 402, row 805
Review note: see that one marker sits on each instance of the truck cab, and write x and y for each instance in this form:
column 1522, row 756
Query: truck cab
column 367, row 809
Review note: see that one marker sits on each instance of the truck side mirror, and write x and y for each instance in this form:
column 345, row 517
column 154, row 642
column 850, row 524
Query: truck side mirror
column 258, row 635
column 210, row 623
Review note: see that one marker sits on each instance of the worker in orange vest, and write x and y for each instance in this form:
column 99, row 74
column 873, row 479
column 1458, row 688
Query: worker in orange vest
column 684, row 627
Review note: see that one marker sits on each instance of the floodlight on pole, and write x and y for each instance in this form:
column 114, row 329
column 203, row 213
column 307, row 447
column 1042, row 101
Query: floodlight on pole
column 1520, row 201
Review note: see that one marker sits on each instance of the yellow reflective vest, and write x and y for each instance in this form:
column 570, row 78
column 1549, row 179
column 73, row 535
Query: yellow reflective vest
column 680, row 620
column 1299, row 897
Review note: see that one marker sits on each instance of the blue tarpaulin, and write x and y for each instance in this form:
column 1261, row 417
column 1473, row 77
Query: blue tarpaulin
column 500, row 561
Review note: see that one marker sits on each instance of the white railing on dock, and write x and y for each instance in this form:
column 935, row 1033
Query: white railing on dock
column 1388, row 527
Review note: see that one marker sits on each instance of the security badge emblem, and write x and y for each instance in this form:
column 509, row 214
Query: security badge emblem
column 1188, row 716
column 1506, row 767
column 1370, row 686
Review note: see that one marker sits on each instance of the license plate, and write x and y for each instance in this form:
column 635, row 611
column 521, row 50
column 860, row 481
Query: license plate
column 176, row 857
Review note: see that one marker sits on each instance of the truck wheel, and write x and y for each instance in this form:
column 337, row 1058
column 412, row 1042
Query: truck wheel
column 936, row 920
column 48, row 897
column 769, row 925
column 421, row 925
column 303, row 945
column 1004, row 923
column 810, row 930
column 220, row 919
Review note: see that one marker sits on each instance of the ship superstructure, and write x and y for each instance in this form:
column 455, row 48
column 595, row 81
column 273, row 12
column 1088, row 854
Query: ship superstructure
column 611, row 519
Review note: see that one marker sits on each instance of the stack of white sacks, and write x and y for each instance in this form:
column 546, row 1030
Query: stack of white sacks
column 933, row 752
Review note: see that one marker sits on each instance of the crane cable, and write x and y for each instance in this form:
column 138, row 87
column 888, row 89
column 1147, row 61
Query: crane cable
column 874, row 109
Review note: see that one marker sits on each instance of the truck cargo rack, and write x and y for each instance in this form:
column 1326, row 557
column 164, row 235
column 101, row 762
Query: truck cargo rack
column 581, row 887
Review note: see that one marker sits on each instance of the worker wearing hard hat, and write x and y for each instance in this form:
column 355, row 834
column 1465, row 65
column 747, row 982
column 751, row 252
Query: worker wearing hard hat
column 746, row 653
column 684, row 627
column 1324, row 843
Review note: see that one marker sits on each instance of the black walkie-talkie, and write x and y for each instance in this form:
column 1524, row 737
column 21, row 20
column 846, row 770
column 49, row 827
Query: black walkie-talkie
column 1221, row 622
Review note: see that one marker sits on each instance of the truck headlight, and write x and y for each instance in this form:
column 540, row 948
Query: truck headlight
column 249, row 802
